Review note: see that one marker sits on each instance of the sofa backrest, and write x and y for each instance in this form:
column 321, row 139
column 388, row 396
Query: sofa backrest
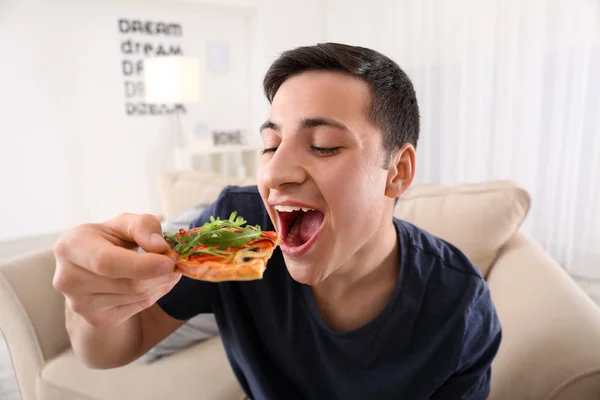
column 478, row 218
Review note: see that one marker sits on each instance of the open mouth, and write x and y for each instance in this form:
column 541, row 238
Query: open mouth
column 299, row 227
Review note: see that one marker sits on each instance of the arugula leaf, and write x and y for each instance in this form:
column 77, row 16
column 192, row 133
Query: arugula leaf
column 218, row 234
column 171, row 236
column 226, row 239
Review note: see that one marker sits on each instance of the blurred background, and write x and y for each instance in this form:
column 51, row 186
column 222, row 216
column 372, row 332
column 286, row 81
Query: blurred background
column 91, row 117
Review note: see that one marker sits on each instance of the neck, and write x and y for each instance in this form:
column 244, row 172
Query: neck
column 377, row 261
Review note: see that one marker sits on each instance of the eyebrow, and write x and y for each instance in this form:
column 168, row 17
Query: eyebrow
column 307, row 123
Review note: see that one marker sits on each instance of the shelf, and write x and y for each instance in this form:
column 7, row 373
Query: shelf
column 207, row 147
column 237, row 161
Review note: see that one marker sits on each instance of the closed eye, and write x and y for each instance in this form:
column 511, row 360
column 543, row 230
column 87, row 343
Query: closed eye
column 269, row 150
column 325, row 151
column 322, row 151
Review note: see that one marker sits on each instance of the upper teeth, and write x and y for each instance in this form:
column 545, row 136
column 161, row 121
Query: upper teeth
column 292, row 208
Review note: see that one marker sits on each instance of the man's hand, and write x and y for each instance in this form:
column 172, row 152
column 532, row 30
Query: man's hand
column 102, row 276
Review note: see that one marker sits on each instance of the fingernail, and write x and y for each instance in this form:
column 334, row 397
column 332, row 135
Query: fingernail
column 157, row 240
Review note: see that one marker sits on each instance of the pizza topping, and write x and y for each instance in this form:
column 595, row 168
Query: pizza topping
column 222, row 250
column 214, row 238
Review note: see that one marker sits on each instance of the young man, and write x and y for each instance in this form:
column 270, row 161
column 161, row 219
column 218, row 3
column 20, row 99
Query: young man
column 354, row 304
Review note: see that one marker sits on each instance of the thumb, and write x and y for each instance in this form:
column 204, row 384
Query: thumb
column 156, row 243
column 145, row 230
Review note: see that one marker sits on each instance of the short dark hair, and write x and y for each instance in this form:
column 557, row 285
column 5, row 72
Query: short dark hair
column 394, row 109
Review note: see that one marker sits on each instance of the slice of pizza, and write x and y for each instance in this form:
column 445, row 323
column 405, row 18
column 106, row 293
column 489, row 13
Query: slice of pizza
column 222, row 250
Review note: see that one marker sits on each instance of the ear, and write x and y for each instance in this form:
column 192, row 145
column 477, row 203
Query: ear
column 401, row 173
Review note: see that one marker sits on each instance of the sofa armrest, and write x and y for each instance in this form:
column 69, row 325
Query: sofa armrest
column 32, row 316
column 551, row 328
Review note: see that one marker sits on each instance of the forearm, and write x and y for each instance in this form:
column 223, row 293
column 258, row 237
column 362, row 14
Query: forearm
column 106, row 347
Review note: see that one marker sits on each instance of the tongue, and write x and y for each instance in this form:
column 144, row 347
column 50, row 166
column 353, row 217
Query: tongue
column 309, row 224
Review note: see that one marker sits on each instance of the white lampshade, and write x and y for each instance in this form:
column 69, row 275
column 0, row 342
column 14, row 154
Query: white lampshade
column 172, row 79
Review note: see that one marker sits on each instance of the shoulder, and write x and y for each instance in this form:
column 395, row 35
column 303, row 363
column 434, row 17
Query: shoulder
column 239, row 195
column 442, row 267
column 245, row 200
column 423, row 244
column 456, row 300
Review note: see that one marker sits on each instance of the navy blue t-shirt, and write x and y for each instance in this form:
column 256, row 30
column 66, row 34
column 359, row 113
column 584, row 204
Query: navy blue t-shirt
column 436, row 337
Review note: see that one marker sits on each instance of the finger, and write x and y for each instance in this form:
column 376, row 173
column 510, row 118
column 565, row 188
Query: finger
column 122, row 313
column 88, row 248
column 76, row 281
column 143, row 229
column 104, row 302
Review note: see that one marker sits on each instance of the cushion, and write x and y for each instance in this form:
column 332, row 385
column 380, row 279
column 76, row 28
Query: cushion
column 201, row 372
column 183, row 189
column 478, row 218
column 184, row 219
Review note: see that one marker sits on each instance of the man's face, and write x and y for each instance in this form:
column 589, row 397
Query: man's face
column 323, row 154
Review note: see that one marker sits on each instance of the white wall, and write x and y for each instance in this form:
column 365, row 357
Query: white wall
column 68, row 153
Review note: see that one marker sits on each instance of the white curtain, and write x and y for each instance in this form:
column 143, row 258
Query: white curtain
column 508, row 89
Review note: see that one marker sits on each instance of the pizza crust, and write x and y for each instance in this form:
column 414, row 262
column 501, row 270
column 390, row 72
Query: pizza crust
column 211, row 271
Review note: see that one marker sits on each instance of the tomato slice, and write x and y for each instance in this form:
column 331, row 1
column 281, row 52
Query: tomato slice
column 206, row 257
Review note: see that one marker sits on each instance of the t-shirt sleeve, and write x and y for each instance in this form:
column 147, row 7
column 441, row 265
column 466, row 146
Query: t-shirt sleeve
column 191, row 297
column 481, row 340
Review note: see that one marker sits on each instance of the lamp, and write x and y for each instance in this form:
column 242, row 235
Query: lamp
column 172, row 79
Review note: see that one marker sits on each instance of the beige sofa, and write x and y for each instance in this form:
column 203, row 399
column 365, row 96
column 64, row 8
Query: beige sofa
column 550, row 350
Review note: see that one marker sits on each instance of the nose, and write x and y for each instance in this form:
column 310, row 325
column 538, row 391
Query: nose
column 284, row 167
